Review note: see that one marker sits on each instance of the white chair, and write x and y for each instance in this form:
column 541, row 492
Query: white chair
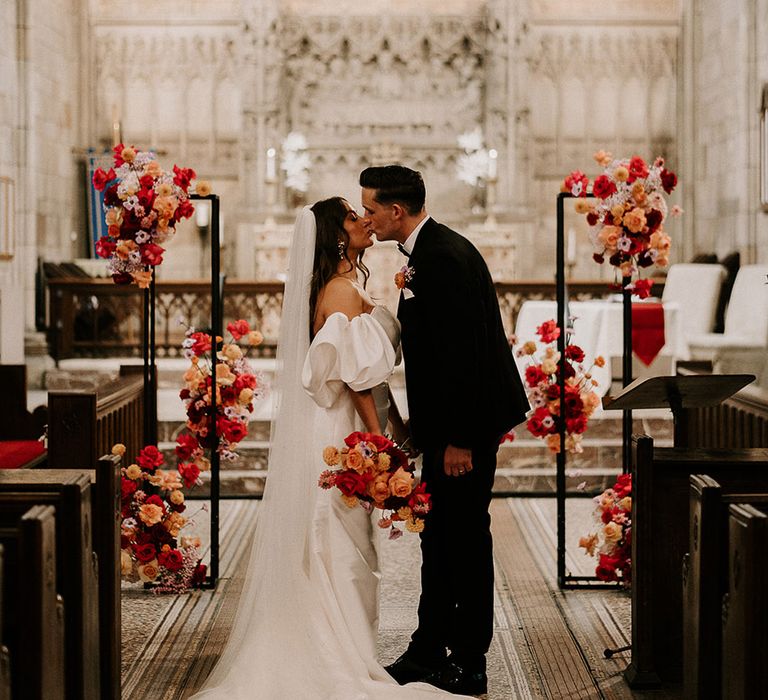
column 746, row 323
column 695, row 288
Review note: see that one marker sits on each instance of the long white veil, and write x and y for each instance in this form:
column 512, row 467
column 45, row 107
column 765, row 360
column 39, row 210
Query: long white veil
column 272, row 581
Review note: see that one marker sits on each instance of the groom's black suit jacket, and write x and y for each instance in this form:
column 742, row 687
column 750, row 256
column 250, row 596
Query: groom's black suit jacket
column 463, row 386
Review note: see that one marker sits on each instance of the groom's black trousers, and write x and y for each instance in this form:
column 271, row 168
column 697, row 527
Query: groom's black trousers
column 456, row 604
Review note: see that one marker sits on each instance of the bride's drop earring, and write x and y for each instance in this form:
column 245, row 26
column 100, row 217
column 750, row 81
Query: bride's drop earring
column 342, row 248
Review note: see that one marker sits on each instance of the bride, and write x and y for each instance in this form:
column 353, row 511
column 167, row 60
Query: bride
column 307, row 620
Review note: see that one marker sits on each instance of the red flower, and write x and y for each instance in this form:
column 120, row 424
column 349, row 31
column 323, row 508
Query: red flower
column 576, row 183
column 150, row 458
column 189, row 474
column 183, row 176
column 184, row 210
column 598, row 258
column 534, row 375
column 232, row 430
column 592, row 218
column 623, row 485
column 642, row 288
column 575, row 353
column 535, row 425
column 653, row 220
column 244, row 381
column 118, row 151
column 198, row 576
column 105, row 247
column 603, row 187
column 350, row 483
column 637, row 169
column 606, row 569
column 146, row 196
column 202, row 343
column 155, row 500
column 420, row 501
column 548, row 331
column 122, row 278
column 186, row 445
column 172, row 559
column 238, row 329
column 101, row 179
column 152, row 254
column 128, row 488
column 145, row 552
column 576, row 425
column 668, row 180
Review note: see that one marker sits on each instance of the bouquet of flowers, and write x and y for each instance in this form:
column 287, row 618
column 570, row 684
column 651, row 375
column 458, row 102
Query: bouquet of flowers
column 627, row 220
column 613, row 541
column 142, row 206
column 373, row 472
column 541, row 383
column 237, row 387
column 152, row 504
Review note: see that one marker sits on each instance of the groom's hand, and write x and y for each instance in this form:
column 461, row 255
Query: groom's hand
column 457, row 461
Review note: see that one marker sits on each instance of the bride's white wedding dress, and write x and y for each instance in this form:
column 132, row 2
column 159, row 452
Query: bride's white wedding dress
column 306, row 625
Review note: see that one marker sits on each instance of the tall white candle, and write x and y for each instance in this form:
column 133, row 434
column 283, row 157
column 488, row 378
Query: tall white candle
column 571, row 249
column 492, row 156
column 271, row 164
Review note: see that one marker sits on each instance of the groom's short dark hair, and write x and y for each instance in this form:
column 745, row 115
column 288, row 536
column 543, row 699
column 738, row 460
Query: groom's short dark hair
column 396, row 183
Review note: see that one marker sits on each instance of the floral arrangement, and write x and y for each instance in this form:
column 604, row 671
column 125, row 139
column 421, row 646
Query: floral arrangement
column 373, row 472
column 237, row 387
column 613, row 541
column 541, row 385
column 142, row 205
column 627, row 218
column 152, row 504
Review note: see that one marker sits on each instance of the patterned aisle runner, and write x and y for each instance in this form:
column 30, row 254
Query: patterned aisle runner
column 546, row 644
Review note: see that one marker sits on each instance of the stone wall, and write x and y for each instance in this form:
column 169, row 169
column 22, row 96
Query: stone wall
column 725, row 68
column 40, row 125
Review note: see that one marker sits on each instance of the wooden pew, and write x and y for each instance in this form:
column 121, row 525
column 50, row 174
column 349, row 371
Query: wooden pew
column 705, row 581
column 5, row 661
column 19, row 429
column 33, row 612
column 105, row 534
column 77, row 577
column 745, row 608
column 82, row 425
column 660, row 505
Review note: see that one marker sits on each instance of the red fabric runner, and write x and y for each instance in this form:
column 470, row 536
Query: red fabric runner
column 17, row 453
column 647, row 330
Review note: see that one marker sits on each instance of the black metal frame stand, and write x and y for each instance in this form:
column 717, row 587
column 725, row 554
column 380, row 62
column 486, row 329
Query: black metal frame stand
column 150, row 376
column 564, row 580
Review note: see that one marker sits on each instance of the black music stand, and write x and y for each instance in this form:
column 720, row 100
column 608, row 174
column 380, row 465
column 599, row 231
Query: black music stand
column 679, row 393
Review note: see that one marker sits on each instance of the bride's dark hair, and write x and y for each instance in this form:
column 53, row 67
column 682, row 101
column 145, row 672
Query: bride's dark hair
column 329, row 217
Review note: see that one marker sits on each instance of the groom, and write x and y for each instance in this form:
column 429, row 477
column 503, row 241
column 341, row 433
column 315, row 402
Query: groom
column 464, row 393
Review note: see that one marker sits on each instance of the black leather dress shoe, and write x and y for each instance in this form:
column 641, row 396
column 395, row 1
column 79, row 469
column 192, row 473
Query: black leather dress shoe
column 406, row 670
column 459, row 681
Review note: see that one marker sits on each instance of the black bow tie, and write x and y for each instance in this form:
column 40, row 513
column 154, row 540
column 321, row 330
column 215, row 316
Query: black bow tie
column 403, row 250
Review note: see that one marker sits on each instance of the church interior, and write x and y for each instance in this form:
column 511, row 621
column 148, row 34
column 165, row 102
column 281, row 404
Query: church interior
column 517, row 113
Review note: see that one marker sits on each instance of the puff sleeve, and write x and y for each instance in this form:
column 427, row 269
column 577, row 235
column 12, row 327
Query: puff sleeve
column 356, row 353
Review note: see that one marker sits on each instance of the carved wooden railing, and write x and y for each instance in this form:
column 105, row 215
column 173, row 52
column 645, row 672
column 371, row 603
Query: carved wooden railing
column 740, row 421
column 97, row 318
column 84, row 425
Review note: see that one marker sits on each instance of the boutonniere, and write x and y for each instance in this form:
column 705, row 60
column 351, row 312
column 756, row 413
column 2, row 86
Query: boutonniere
column 403, row 279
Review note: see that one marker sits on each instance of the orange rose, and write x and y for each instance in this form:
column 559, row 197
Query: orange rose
column 379, row 488
column 149, row 572
column 609, row 236
column 355, row 461
column 612, row 532
column 383, row 462
column 142, row 278
column 150, row 514
column 634, row 220
column 153, row 169
column 401, row 483
column 414, row 525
